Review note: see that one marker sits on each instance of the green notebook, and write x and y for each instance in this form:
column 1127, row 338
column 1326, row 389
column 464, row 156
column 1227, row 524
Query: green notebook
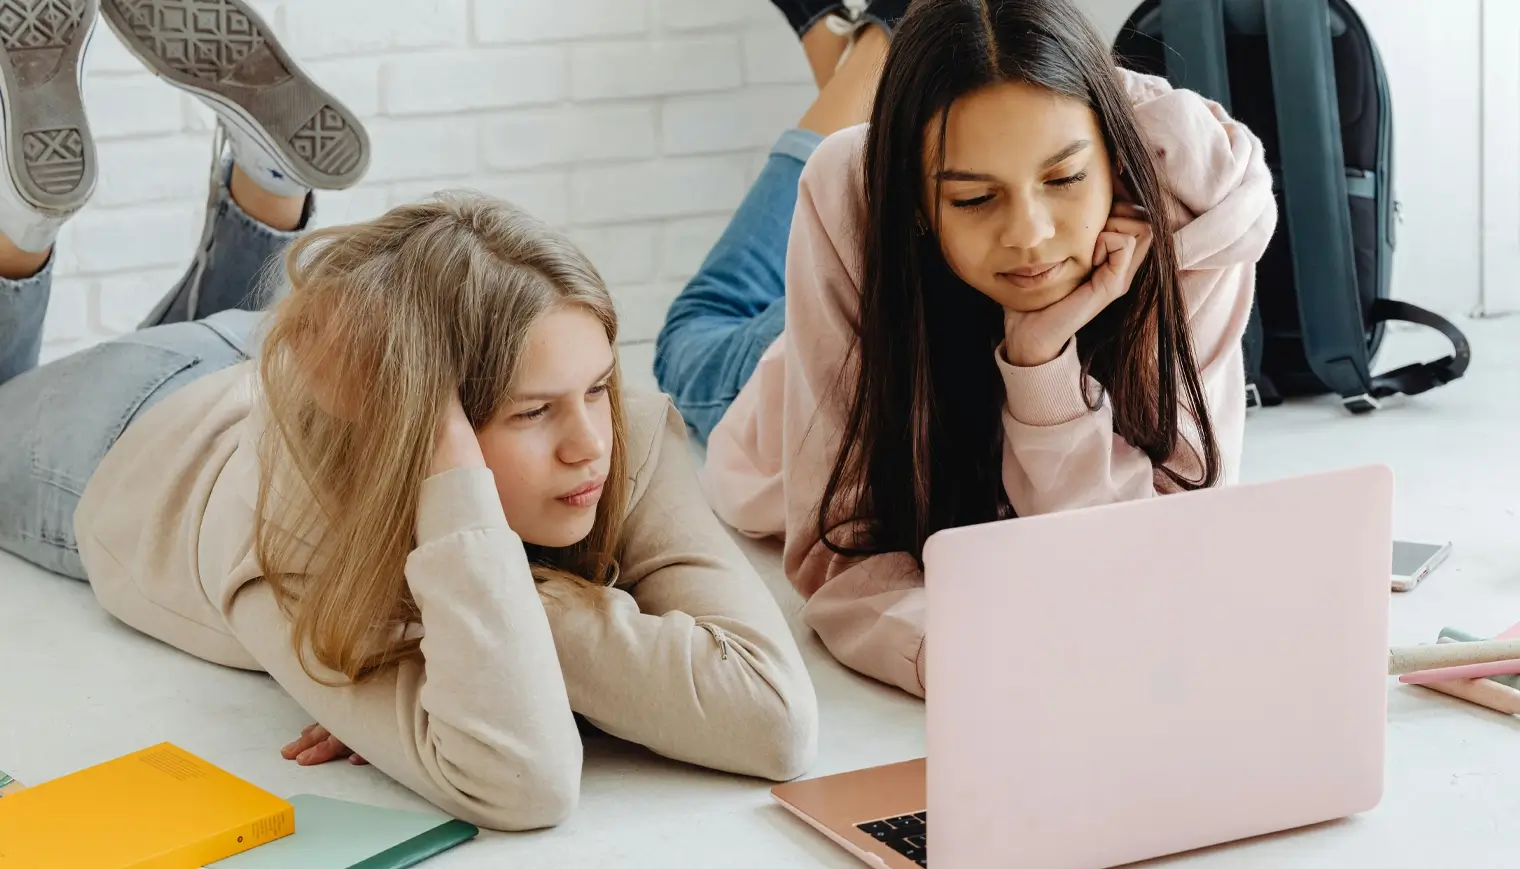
column 333, row 834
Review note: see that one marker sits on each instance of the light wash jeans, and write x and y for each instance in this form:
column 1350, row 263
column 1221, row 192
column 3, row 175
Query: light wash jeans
column 57, row 421
column 735, row 305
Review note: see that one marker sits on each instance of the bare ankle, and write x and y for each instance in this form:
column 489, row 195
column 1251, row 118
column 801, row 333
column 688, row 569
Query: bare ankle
column 823, row 48
column 847, row 99
column 279, row 212
column 17, row 264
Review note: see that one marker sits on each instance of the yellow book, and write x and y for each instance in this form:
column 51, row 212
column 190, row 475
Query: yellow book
column 160, row 808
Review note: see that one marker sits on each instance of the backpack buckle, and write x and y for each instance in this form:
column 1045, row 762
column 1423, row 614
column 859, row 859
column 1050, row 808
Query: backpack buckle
column 1363, row 403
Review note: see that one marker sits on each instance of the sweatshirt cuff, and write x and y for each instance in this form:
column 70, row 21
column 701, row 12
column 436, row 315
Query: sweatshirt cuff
column 461, row 499
column 1045, row 395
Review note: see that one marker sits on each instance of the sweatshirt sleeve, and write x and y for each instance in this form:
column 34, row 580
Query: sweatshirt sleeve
column 695, row 661
column 1058, row 454
column 868, row 612
column 480, row 726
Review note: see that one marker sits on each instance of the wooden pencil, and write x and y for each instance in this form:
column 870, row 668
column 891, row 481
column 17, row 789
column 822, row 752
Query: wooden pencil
column 1408, row 659
column 1484, row 692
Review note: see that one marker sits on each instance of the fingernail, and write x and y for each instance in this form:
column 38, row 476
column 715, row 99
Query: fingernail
column 304, row 756
column 289, row 748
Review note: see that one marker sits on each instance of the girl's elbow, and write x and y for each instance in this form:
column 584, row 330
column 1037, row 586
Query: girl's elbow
column 557, row 793
column 542, row 789
column 791, row 761
column 791, row 736
column 534, row 800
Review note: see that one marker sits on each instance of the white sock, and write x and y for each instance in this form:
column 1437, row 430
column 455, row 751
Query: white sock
column 27, row 227
column 259, row 165
column 31, row 232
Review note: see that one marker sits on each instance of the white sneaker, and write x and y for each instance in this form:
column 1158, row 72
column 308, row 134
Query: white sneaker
column 49, row 153
column 287, row 133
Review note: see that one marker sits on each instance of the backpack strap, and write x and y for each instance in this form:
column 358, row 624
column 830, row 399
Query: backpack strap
column 1193, row 31
column 1421, row 376
column 1196, row 59
column 1314, row 188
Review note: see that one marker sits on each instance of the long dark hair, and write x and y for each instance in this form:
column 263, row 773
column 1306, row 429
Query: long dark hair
column 922, row 444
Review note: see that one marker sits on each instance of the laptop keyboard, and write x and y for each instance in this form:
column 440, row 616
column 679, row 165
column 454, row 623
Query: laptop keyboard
column 905, row 834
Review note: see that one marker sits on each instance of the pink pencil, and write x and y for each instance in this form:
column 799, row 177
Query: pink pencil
column 1466, row 671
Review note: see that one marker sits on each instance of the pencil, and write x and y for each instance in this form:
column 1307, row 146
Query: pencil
column 1408, row 659
column 1483, row 692
column 1461, row 636
column 1464, row 671
column 1475, row 690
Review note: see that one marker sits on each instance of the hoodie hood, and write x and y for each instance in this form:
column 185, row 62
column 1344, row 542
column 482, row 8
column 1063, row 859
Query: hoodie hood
column 1215, row 173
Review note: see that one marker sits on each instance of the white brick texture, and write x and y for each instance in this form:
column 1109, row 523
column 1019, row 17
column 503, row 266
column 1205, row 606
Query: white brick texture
column 68, row 318
column 622, row 254
column 617, row 70
column 666, row 188
column 634, row 125
column 771, row 56
column 427, row 84
column 135, row 104
column 716, row 123
column 334, row 28
column 685, row 243
column 708, row 14
column 558, row 20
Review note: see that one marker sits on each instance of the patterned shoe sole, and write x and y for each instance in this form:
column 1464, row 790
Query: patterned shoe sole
column 48, row 146
column 221, row 50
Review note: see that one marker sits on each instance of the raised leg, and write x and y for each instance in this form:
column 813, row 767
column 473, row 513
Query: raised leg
column 734, row 307
column 48, row 157
column 284, row 137
column 237, row 261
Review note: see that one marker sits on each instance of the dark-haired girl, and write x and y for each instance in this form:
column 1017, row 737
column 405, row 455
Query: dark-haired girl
column 1020, row 288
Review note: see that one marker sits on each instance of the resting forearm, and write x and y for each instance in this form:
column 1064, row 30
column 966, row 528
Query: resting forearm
column 715, row 692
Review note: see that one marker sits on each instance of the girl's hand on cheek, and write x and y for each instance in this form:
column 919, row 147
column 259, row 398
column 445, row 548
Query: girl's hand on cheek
column 1034, row 338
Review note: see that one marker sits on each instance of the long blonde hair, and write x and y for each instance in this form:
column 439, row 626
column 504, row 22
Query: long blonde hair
column 382, row 320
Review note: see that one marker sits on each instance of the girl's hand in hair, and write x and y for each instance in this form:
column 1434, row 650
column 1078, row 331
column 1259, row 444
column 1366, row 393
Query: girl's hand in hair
column 456, row 445
column 1034, row 338
column 316, row 746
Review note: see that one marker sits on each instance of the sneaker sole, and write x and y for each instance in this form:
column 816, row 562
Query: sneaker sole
column 201, row 46
column 49, row 151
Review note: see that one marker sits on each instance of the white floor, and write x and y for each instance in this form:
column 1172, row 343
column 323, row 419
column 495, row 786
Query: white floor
column 77, row 688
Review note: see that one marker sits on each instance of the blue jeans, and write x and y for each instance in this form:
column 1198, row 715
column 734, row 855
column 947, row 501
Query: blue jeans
column 57, row 421
column 735, row 305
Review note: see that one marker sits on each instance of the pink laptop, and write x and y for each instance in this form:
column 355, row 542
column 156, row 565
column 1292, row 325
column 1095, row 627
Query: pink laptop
column 1129, row 681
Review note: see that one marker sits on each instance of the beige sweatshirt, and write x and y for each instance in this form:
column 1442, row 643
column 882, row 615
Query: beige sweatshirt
column 689, row 655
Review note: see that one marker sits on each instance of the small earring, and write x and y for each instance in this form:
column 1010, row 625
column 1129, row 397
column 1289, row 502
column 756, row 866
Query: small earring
column 918, row 223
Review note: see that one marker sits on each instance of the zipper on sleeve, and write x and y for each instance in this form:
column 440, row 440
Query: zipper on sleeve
column 719, row 635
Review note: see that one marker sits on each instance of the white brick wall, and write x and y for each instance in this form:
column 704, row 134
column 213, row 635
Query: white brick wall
column 635, row 125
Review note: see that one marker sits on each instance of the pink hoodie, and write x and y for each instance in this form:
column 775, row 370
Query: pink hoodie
column 770, row 456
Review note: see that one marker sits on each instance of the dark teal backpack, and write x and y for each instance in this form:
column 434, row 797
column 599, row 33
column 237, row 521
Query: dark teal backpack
column 1306, row 77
